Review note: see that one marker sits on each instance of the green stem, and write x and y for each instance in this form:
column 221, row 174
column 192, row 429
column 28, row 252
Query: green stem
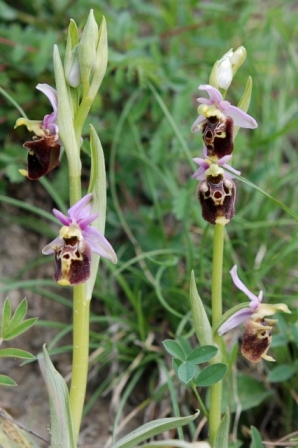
column 80, row 356
column 75, row 190
column 80, row 351
column 216, row 389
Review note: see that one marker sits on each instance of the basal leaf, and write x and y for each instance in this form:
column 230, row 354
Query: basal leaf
column 151, row 429
column 15, row 353
column 202, row 354
column 211, row 374
column 186, row 372
column 6, row 381
column 174, row 349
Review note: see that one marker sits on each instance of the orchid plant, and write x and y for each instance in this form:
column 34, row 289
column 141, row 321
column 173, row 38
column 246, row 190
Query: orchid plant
column 218, row 122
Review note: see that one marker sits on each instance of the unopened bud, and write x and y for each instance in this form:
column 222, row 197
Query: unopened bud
column 87, row 48
column 224, row 71
column 72, row 69
column 237, row 59
column 225, row 68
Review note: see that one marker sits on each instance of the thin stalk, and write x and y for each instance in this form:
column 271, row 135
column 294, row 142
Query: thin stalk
column 195, row 390
column 80, row 351
column 80, row 356
column 216, row 389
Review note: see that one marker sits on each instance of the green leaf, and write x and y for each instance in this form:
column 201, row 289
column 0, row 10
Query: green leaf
column 152, row 429
column 101, row 59
column 202, row 354
column 222, row 435
column 184, row 344
column 174, row 349
column 245, row 101
column 61, row 422
column 250, row 393
column 6, row 381
column 65, row 119
column 283, row 372
column 211, row 374
column 15, row 353
column 201, row 322
column 267, row 195
column 176, row 363
column 72, row 41
column 171, row 443
column 186, row 372
column 19, row 314
column 6, row 316
column 21, row 328
column 97, row 187
column 256, row 439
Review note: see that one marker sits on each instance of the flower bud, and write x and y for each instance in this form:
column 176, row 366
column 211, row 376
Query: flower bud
column 224, row 71
column 237, row 59
column 72, row 69
column 87, row 48
column 225, row 68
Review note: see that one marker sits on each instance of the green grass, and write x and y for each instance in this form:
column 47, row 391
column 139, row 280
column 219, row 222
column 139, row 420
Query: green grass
column 159, row 53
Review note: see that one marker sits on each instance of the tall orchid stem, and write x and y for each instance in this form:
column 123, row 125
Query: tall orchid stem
column 80, row 351
column 216, row 389
column 80, row 356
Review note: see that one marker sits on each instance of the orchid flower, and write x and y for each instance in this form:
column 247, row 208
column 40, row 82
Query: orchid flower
column 216, row 107
column 76, row 240
column 205, row 165
column 44, row 149
column 257, row 332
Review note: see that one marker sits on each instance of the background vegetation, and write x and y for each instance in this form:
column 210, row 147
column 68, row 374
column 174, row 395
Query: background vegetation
column 159, row 52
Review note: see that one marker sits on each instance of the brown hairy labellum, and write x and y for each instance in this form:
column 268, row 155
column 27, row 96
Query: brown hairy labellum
column 43, row 156
column 256, row 339
column 217, row 197
column 73, row 262
column 218, row 136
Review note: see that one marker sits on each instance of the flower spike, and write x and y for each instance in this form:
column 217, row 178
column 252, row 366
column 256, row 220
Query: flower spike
column 75, row 243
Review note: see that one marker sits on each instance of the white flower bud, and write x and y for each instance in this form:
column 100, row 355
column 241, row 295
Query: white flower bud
column 224, row 70
column 72, row 69
column 237, row 58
